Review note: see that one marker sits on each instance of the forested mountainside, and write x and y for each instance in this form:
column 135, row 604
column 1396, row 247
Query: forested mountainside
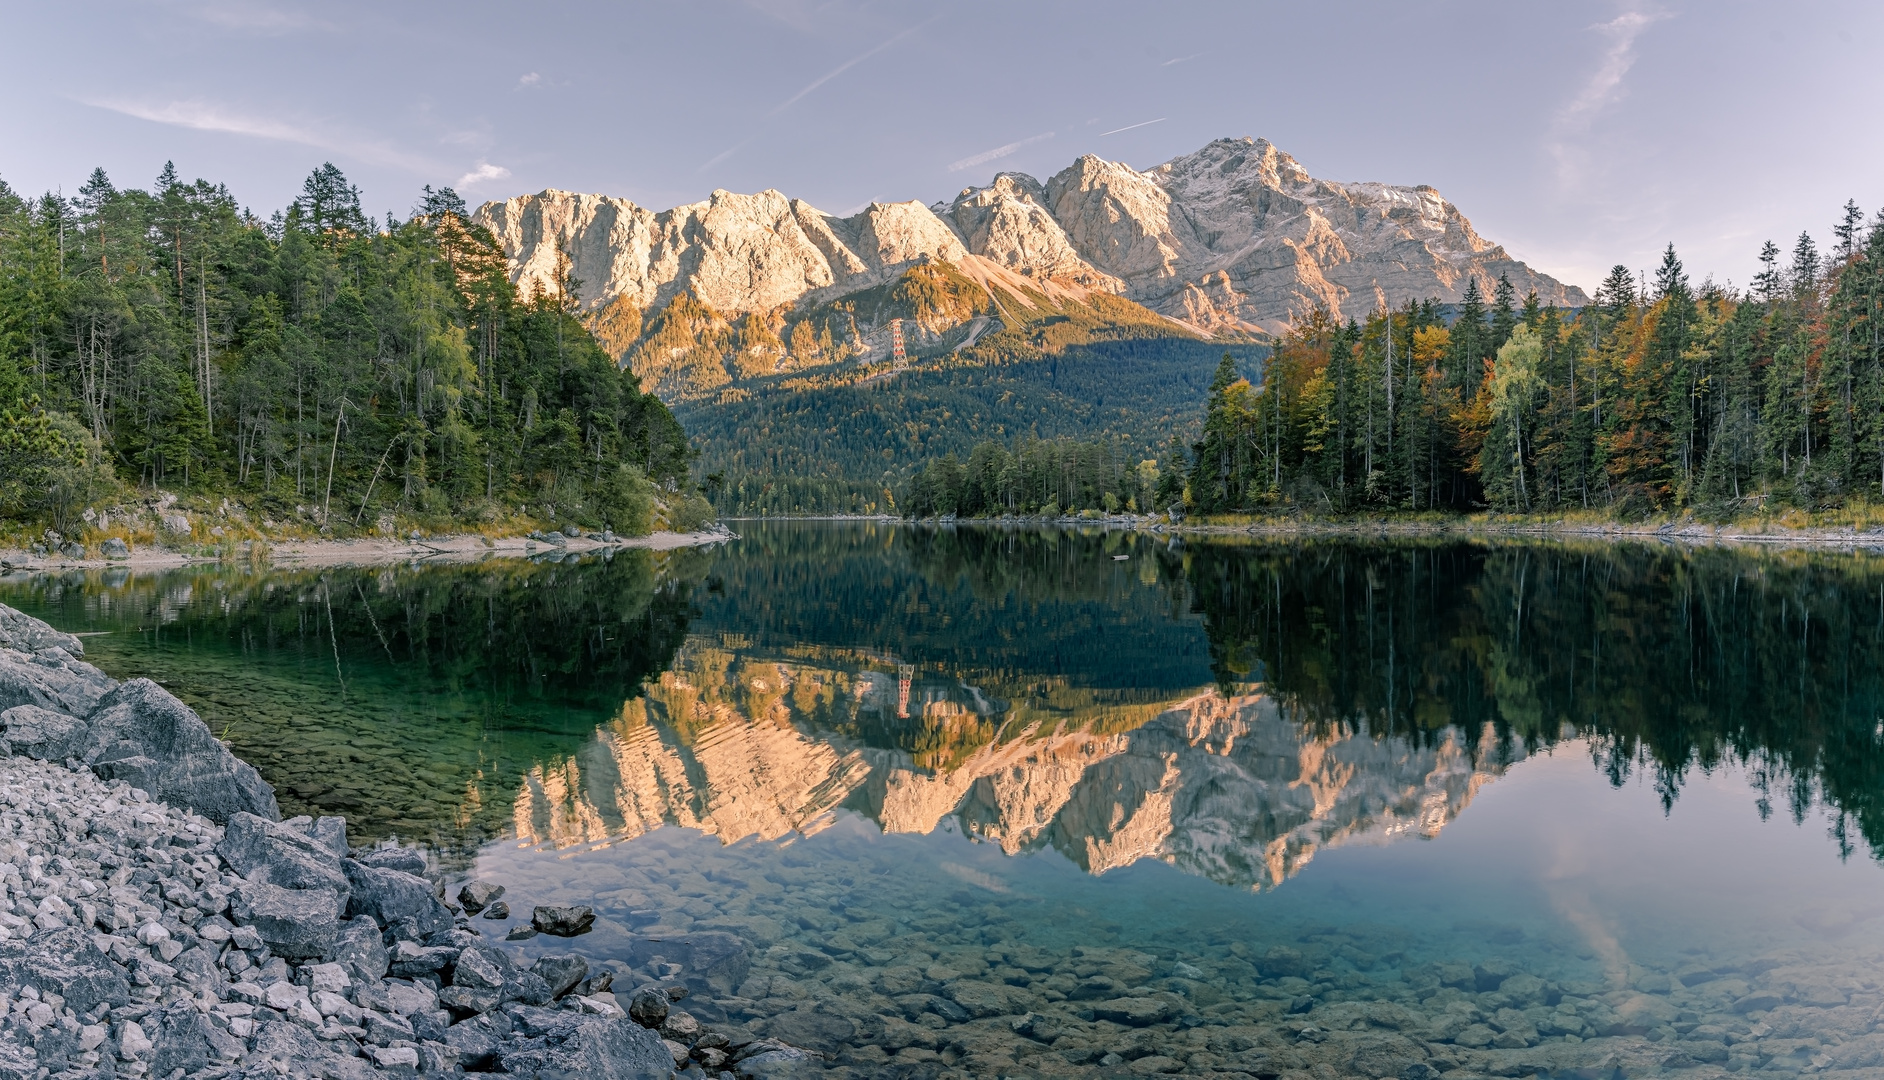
column 848, row 448
column 321, row 369
column 1661, row 395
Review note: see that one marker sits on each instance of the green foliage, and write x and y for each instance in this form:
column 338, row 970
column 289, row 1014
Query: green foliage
column 319, row 364
column 625, row 501
column 1038, row 477
column 689, row 512
column 49, row 465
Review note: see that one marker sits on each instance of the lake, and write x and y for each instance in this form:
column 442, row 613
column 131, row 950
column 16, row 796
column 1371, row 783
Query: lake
column 976, row 801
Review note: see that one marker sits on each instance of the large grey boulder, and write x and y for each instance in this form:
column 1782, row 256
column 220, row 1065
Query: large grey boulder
column 51, row 679
column 392, row 896
column 22, row 632
column 261, row 849
column 42, row 733
column 295, row 924
column 63, row 962
column 145, row 736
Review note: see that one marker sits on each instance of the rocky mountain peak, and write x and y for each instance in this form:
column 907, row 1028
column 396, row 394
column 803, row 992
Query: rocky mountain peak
column 1237, row 235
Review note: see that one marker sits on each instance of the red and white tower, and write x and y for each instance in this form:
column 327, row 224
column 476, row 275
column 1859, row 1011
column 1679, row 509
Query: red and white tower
column 896, row 343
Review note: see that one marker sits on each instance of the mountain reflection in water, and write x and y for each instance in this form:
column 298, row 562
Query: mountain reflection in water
column 1225, row 787
column 1229, row 707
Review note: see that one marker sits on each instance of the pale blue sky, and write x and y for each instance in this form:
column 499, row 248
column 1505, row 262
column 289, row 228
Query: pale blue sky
column 1577, row 134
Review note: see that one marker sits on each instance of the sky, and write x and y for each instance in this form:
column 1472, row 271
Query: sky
column 1578, row 135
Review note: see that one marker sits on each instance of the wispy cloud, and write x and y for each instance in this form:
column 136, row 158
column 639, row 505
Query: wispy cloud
column 722, row 155
column 1602, row 89
column 998, row 152
column 198, row 115
column 530, row 79
column 1181, row 59
column 846, row 66
column 257, row 18
column 484, row 171
column 1128, row 127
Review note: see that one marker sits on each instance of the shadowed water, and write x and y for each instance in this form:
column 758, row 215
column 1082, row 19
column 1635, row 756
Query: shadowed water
column 1309, row 807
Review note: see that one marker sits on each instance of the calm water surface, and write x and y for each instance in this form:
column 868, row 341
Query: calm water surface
column 1331, row 809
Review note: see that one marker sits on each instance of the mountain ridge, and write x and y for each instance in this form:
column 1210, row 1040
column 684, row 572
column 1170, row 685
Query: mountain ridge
column 1235, row 237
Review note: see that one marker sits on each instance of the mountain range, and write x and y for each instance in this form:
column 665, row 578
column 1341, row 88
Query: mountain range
column 1094, row 305
column 1235, row 236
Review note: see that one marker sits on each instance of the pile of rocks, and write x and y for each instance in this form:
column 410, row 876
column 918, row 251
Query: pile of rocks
column 157, row 919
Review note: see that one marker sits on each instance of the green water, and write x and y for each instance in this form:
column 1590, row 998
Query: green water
column 1648, row 775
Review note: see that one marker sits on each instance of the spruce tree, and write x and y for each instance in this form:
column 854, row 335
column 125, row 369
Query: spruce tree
column 1504, row 312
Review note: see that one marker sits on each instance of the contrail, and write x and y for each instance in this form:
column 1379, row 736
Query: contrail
column 1129, row 127
column 723, row 155
column 846, row 66
column 998, row 152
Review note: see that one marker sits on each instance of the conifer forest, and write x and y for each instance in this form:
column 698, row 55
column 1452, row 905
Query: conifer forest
column 1665, row 395
column 322, row 366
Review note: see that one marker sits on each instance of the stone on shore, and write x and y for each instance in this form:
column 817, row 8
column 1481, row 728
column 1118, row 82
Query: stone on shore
column 23, row 633
column 67, row 963
column 561, row 972
column 393, row 897
column 475, row 896
column 50, row 679
column 42, row 733
column 269, row 851
column 143, row 735
column 295, row 924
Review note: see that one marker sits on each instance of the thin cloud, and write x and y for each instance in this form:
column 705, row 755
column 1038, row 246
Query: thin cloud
column 723, row 155
column 1181, row 59
column 255, row 17
column 1129, row 127
column 209, row 116
column 998, row 152
column 1603, row 89
column 530, row 79
column 484, row 171
column 846, row 66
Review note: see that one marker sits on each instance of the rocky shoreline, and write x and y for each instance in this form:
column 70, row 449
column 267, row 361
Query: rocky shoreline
column 56, row 553
column 1456, row 529
column 160, row 921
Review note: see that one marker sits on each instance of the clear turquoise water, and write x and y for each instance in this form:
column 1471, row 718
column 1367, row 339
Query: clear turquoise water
column 1649, row 776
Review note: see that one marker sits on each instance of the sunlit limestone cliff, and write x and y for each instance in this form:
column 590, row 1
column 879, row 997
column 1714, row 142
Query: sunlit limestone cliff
column 1226, row 788
column 1234, row 237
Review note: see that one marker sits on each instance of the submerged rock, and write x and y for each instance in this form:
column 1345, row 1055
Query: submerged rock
column 562, row 921
column 712, row 962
